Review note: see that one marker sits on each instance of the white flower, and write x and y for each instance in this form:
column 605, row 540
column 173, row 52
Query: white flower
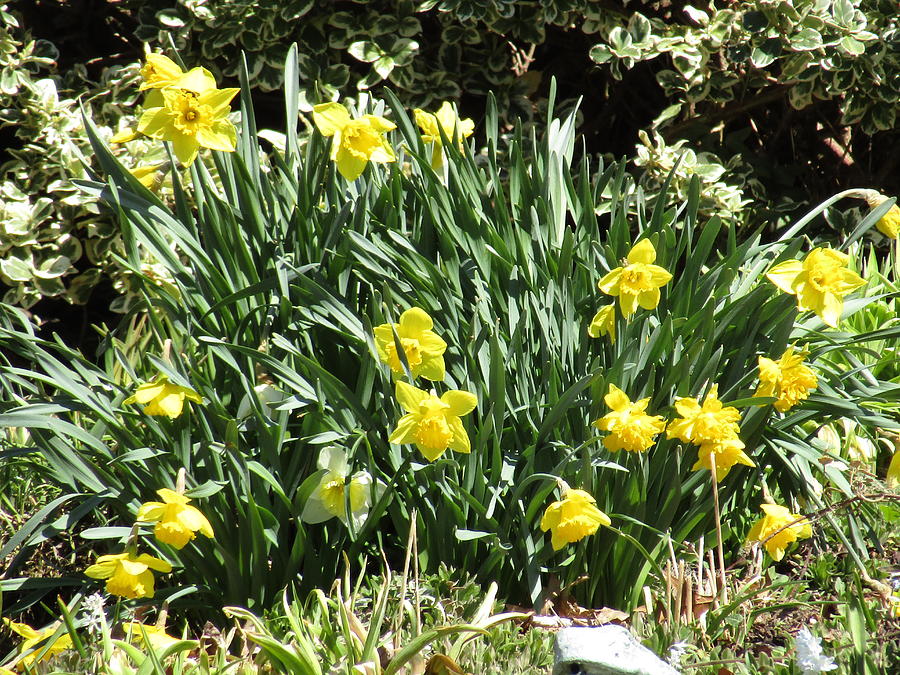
column 267, row 394
column 809, row 654
column 334, row 492
column 93, row 613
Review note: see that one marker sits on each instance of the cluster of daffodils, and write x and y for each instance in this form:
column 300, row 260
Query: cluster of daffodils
column 41, row 645
column 176, row 522
column 356, row 142
column 185, row 108
column 432, row 423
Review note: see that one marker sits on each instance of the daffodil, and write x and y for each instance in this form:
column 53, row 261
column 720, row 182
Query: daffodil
column 35, row 643
column 424, row 350
column 819, row 282
column 638, row 282
column 604, row 323
column 893, row 473
column 786, row 379
column 630, row 427
column 336, row 488
column 708, row 423
column 572, row 518
column 714, row 427
column 177, row 522
column 161, row 397
column 725, row 453
column 191, row 119
column 889, row 224
column 778, row 529
column 128, row 575
column 155, row 636
column 444, row 119
column 433, row 424
column 355, row 142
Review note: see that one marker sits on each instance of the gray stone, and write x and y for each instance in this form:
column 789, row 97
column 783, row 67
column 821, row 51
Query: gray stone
column 605, row 650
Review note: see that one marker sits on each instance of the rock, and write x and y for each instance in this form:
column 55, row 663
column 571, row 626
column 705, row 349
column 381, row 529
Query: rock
column 605, row 650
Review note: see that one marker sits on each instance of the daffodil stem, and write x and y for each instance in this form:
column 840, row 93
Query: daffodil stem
column 723, row 587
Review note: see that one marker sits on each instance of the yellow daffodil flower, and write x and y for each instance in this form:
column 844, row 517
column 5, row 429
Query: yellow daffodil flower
column 161, row 397
column 775, row 518
column 177, row 522
column 893, row 473
column 128, row 575
column 572, row 518
column 709, row 423
column 714, row 428
column 638, row 282
column 423, row 348
column 819, row 282
column 444, row 119
column 725, row 453
column 604, row 323
column 191, row 120
column 630, row 427
column 889, row 224
column 329, row 498
column 33, row 643
column 786, row 379
column 355, row 142
column 157, row 638
column 894, row 609
column 433, row 424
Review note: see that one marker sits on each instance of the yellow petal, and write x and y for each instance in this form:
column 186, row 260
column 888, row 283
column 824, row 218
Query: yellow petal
column 405, row 433
column 616, row 399
column 172, row 497
column 642, row 252
column 410, row 397
column 413, row 322
column 609, row 284
column 151, row 511
column 221, row 135
column 349, row 165
column 185, row 146
column 330, row 118
column 893, row 472
column 460, row 440
column 459, row 402
column 784, row 274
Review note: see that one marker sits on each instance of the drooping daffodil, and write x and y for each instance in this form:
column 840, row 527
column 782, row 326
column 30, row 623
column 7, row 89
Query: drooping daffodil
column 778, row 529
column 128, row 574
column 162, row 398
column 444, row 119
column 604, row 323
column 35, row 643
column 177, row 522
column 355, row 142
column 337, row 490
column 572, row 518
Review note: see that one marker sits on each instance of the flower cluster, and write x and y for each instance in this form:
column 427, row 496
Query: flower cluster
column 431, row 423
column 630, row 427
column 130, row 574
column 358, row 141
column 788, row 380
column 185, row 108
column 712, row 426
